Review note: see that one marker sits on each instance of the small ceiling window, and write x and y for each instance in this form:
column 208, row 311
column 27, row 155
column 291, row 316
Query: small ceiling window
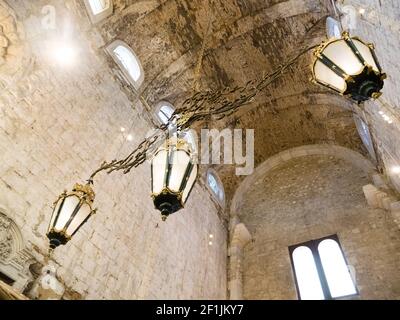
column 128, row 62
column 165, row 111
column 98, row 6
column 99, row 9
column 333, row 28
column 321, row 271
column 215, row 185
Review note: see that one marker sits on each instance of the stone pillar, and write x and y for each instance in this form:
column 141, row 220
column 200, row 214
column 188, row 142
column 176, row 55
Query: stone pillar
column 379, row 199
column 240, row 237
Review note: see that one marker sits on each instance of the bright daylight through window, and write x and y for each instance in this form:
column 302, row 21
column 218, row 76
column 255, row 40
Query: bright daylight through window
column 321, row 271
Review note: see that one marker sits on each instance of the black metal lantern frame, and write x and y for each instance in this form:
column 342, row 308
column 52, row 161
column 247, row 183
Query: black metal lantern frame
column 172, row 179
column 360, row 86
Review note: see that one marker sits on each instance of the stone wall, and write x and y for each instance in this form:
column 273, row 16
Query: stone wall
column 378, row 22
column 57, row 124
column 309, row 197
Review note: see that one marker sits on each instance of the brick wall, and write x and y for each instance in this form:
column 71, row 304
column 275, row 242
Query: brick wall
column 57, row 124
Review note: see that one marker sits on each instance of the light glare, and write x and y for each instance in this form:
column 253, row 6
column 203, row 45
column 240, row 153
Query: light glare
column 64, row 54
column 396, row 169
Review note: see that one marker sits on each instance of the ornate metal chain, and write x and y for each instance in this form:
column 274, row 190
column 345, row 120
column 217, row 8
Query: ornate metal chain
column 200, row 106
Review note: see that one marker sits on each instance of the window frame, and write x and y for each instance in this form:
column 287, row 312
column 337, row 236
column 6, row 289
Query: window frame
column 95, row 18
column 313, row 246
column 332, row 23
column 159, row 107
column 110, row 49
column 221, row 202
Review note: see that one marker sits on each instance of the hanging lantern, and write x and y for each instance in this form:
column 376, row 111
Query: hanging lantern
column 173, row 174
column 71, row 211
column 350, row 67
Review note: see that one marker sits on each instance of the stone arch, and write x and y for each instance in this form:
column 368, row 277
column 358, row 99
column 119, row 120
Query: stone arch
column 332, row 150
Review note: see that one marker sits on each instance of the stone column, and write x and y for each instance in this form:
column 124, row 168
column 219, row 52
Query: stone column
column 240, row 237
column 378, row 199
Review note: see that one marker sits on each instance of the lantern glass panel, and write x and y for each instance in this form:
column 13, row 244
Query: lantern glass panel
column 325, row 75
column 189, row 184
column 54, row 215
column 70, row 203
column 159, row 167
column 341, row 54
column 180, row 162
column 79, row 218
column 365, row 51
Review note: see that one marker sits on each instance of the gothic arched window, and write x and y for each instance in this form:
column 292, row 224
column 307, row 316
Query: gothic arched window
column 128, row 62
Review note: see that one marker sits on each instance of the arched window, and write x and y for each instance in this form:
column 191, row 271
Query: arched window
column 215, row 185
column 365, row 135
column 99, row 9
column 321, row 271
column 307, row 274
column 128, row 62
column 164, row 111
column 335, row 268
column 333, row 28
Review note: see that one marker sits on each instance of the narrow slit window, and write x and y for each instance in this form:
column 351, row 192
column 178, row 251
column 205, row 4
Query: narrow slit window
column 216, row 186
column 321, row 271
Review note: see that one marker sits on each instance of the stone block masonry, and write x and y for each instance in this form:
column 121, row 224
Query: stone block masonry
column 311, row 197
column 57, row 124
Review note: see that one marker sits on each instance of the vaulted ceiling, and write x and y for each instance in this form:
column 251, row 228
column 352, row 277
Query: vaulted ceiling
column 246, row 39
